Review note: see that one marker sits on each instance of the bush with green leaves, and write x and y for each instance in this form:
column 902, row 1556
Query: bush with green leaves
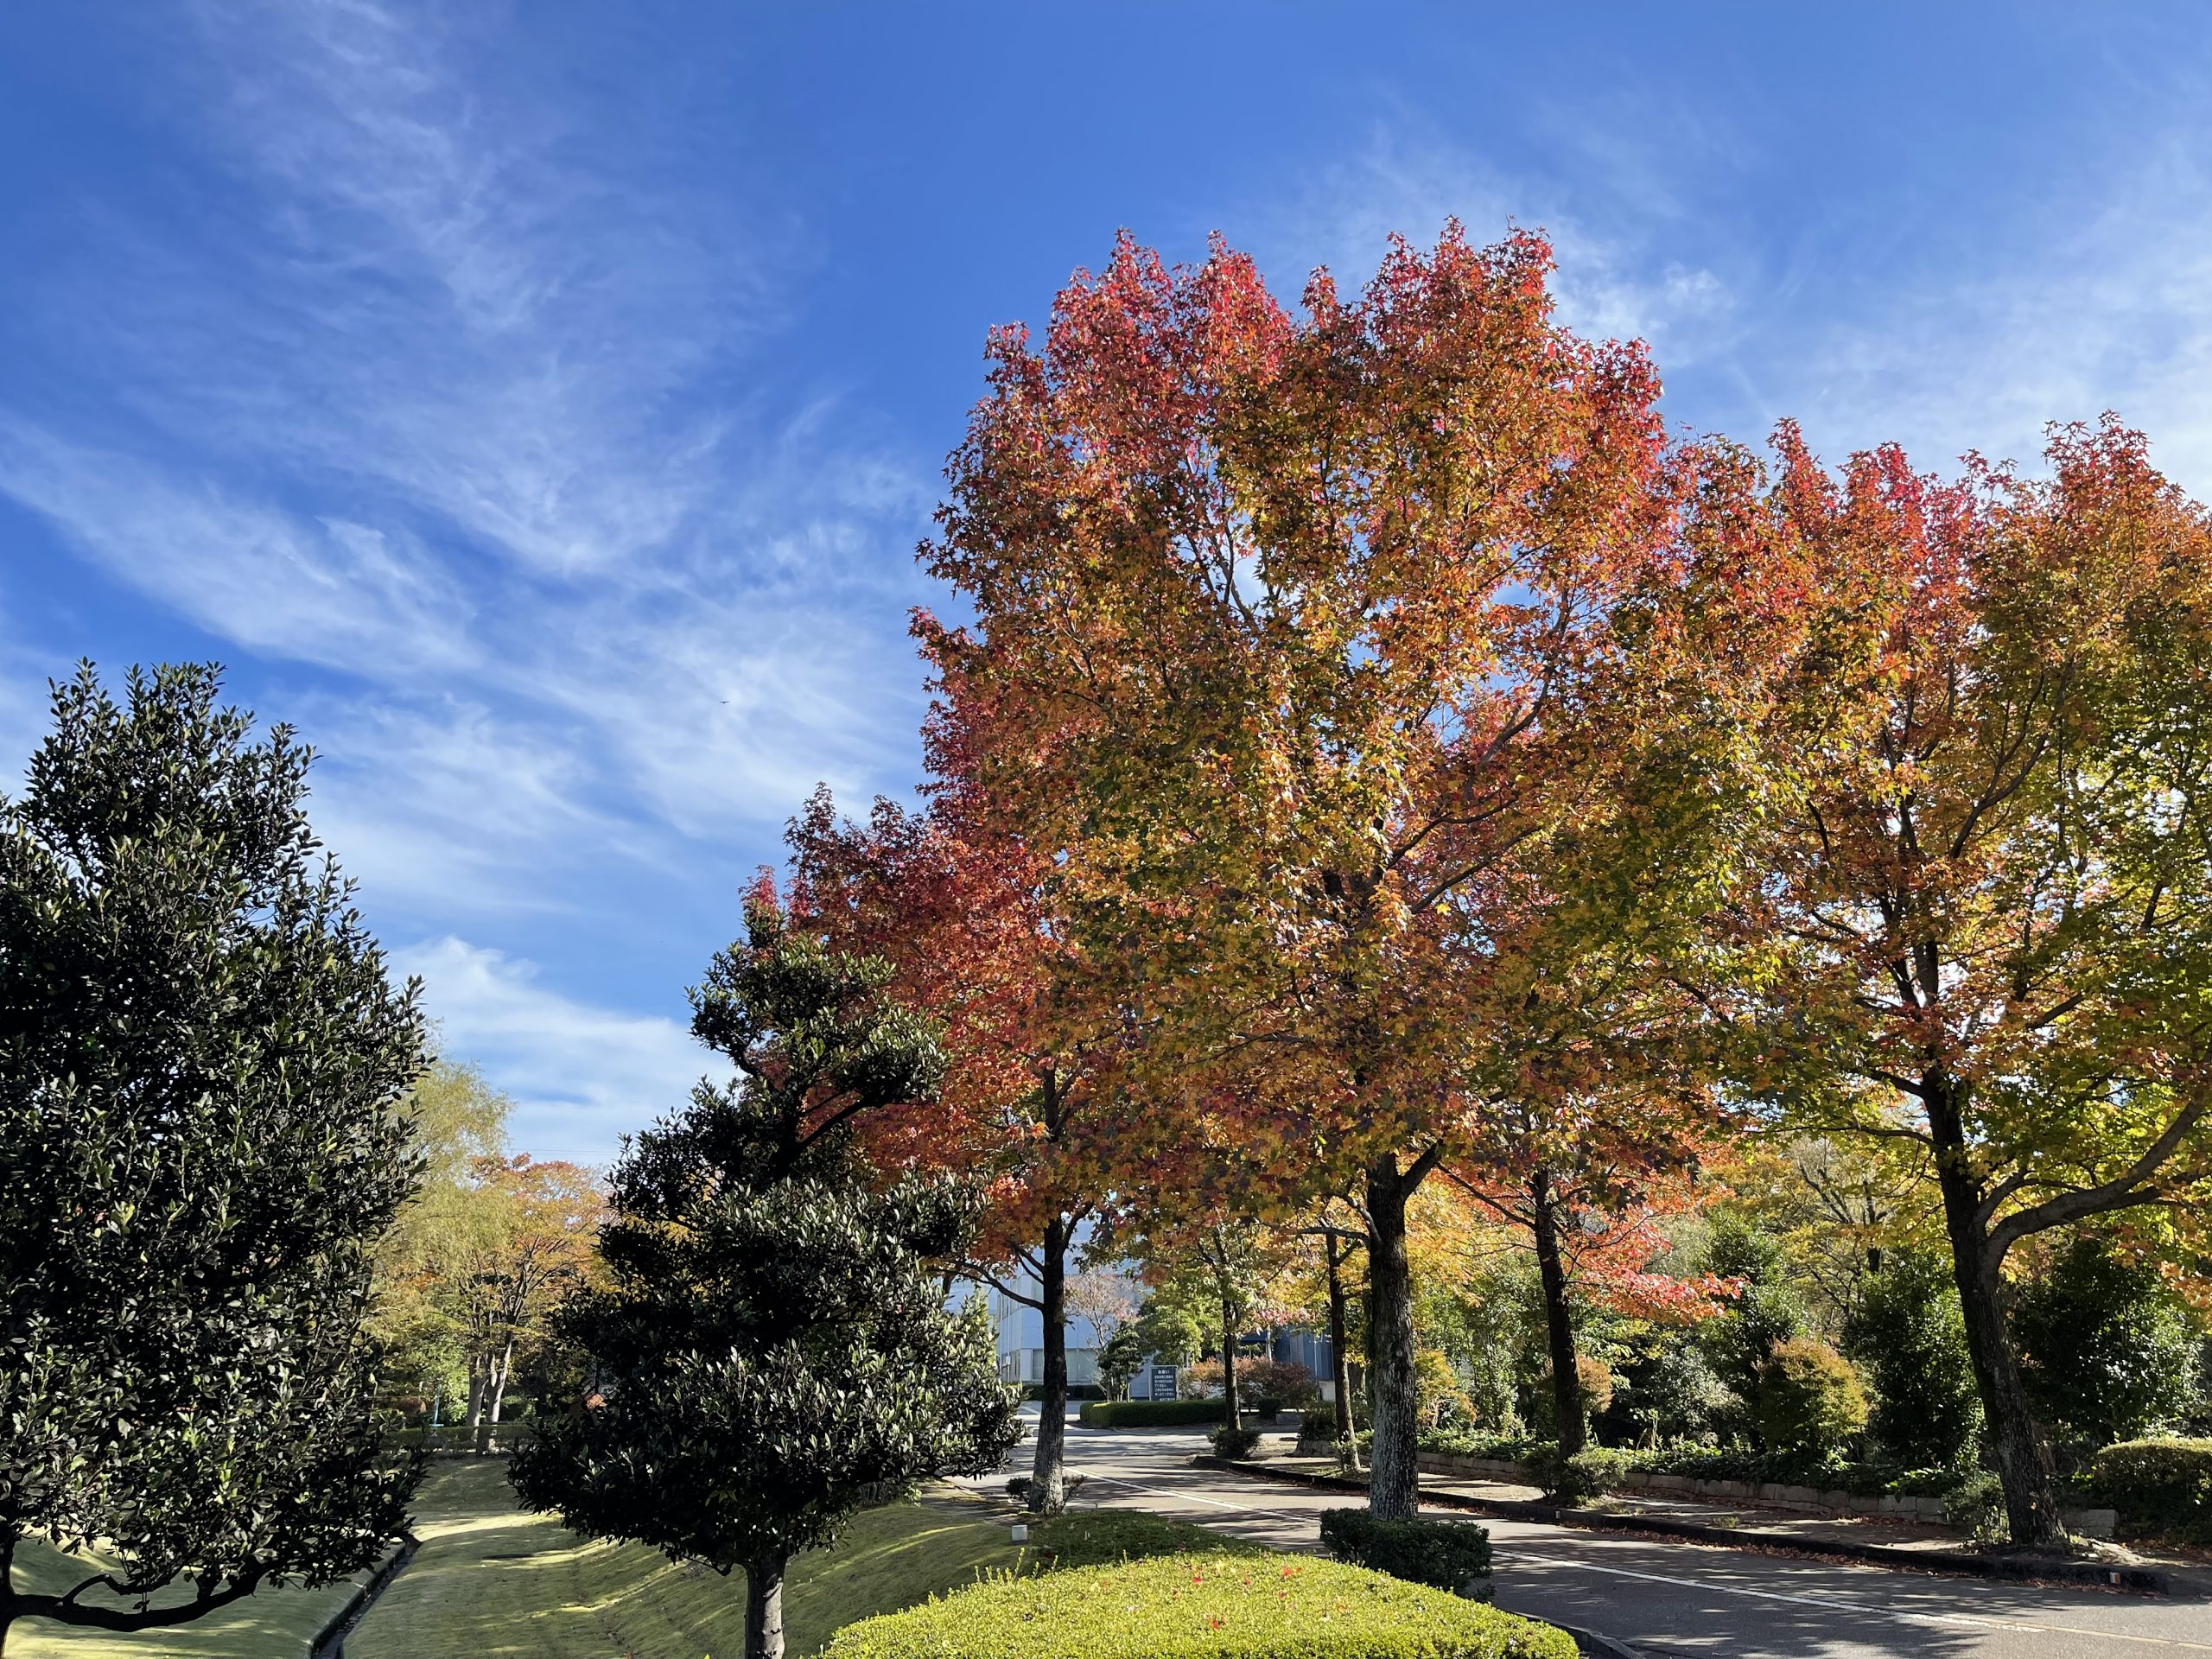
column 1147, row 1414
column 1077, row 1538
column 1764, row 1313
column 1811, row 1403
column 770, row 1340
column 1908, row 1337
column 1571, row 1480
column 1975, row 1505
column 1478, row 1443
column 1671, row 1394
column 1119, row 1361
column 2106, row 1350
column 1594, row 1379
column 2158, row 1486
column 1234, row 1442
column 1451, row 1556
column 1203, row 1607
column 202, row 1067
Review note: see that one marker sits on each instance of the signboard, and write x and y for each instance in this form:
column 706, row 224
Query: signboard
column 1163, row 1383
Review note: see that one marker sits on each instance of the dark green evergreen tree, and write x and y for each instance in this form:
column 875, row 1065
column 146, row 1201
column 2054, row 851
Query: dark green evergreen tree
column 201, row 1068
column 773, row 1346
column 2106, row 1350
column 1909, row 1336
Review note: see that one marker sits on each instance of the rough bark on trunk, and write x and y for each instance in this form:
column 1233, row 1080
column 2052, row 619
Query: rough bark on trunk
column 1339, row 1361
column 1392, row 1492
column 1232, row 1406
column 1558, row 1319
column 2024, row 1463
column 1048, row 1474
column 475, row 1392
column 764, row 1607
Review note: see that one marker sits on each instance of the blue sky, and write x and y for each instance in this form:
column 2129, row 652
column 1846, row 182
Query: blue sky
column 539, row 405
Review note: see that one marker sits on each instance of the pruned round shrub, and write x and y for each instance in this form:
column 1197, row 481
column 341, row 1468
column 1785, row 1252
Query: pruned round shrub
column 2158, row 1486
column 1810, row 1401
column 1234, row 1442
column 1203, row 1607
column 1453, row 1555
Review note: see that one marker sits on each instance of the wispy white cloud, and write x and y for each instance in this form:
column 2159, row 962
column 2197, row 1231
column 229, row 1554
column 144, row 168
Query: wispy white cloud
column 1614, row 281
column 450, row 404
column 2084, row 307
column 580, row 1075
column 323, row 590
column 480, row 409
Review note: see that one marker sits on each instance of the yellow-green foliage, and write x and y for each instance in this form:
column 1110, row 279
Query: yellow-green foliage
column 1099, row 1537
column 1202, row 1607
column 1810, row 1400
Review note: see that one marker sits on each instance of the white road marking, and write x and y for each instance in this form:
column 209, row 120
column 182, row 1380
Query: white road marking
column 1845, row 1605
column 1834, row 1603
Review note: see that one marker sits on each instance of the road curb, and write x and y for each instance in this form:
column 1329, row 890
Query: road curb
column 2143, row 1580
column 330, row 1641
column 1593, row 1645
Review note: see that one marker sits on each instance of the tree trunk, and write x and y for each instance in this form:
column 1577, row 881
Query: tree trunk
column 475, row 1390
column 764, row 1607
column 1232, row 1406
column 1048, row 1478
column 504, row 1369
column 1558, row 1319
column 1394, row 1490
column 9, row 1540
column 2023, row 1462
column 1339, row 1361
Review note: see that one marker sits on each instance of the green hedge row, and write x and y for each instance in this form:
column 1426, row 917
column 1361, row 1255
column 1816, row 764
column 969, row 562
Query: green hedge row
column 2163, row 1485
column 1203, row 1607
column 1450, row 1554
column 1147, row 1414
column 1603, row 1464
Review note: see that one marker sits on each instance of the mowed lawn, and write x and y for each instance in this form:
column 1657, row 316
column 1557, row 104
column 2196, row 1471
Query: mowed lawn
column 489, row 1579
column 271, row 1624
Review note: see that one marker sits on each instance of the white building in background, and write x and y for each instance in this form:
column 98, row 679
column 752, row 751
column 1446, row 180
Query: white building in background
column 1021, row 1330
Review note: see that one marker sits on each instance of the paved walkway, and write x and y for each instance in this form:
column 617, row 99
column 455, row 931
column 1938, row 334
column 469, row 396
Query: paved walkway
column 1669, row 1600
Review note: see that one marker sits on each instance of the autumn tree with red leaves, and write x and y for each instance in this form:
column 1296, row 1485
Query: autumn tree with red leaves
column 959, row 908
column 1983, row 920
column 1291, row 634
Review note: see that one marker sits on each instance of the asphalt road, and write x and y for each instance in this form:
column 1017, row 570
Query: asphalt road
column 1665, row 1600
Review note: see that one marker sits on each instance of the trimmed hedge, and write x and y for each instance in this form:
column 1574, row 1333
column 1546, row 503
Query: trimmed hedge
column 1106, row 1537
column 2162, row 1485
column 1449, row 1554
column 1708, row 1463
column 1147, row 1414
column 1202, row 1607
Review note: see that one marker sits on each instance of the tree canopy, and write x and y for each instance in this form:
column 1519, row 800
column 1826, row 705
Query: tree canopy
column 203, row 1064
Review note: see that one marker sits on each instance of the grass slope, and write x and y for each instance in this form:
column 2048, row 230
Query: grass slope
column 270, row 1624
column 491, row 1580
